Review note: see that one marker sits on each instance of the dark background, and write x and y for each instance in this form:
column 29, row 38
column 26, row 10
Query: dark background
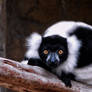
column 26, row 16
column 19, row 18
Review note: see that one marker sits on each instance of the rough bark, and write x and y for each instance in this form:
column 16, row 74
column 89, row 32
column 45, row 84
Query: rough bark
column 25, row 78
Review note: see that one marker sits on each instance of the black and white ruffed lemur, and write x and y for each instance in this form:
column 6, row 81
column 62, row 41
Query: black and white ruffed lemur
column 65, row 49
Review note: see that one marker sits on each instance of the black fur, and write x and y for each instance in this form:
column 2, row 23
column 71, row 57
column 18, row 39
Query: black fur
column 85, row 36
column 38, row 62
column 53, row 43
column 67, row 77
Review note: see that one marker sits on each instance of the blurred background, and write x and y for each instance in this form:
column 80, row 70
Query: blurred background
column 19, row 18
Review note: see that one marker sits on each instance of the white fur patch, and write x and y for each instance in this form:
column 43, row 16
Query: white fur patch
column 61, row 29
column 73, row 47
column 84, row 74
column 24, row 62
column 33, row 43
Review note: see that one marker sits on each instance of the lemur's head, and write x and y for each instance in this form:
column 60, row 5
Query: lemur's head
column 53, row 50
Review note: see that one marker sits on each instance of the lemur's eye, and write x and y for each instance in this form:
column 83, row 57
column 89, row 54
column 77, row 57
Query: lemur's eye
column 45, row 52
column 60, row 52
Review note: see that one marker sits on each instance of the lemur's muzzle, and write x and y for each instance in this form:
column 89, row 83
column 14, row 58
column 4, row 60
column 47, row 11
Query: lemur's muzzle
column 52, row 60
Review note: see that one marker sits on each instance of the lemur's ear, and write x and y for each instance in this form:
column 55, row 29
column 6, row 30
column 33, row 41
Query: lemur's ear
column 34, row 41
column 33, row 44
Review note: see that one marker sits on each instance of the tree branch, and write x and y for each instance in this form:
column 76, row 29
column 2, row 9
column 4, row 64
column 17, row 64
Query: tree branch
column 25, row 78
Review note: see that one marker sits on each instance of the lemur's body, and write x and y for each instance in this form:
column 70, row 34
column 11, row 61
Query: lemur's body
column 64, row 48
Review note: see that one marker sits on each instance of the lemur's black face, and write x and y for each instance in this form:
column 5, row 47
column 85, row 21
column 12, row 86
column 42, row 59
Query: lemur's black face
column 53, row 50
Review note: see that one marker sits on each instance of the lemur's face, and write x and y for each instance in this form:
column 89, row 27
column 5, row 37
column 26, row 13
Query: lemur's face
column 53, row 50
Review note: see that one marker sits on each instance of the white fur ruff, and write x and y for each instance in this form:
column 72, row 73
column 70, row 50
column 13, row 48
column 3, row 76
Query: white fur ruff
column 33, row 43
column 84, row 74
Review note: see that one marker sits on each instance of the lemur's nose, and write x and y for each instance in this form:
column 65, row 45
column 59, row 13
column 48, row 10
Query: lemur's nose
column 52, row 60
